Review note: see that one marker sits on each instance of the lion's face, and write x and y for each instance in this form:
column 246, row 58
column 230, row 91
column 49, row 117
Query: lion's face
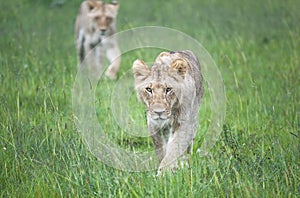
column 159, row 88
column 159, row 98
column 102, row 16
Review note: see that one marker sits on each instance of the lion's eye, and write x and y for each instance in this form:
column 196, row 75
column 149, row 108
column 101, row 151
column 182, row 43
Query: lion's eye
column 148, row 89
column 168, row 89
column 108, row 20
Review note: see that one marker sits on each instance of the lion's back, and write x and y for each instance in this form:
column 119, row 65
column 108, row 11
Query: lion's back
column 195, row 71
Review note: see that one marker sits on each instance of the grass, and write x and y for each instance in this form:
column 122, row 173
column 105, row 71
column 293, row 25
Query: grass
column 256, row 46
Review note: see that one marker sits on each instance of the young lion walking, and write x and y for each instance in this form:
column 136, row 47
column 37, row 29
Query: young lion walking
column 95, row 23
column 172, row 91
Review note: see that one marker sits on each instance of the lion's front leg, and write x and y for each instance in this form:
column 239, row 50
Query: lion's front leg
column 114, row 56
column 178, row 145
column 159, row 146
column 158, row 140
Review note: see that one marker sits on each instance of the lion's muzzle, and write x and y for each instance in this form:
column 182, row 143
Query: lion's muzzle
column 159, row 112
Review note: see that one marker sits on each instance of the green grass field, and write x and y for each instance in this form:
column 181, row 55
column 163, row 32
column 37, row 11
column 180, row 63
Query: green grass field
column 256, row 45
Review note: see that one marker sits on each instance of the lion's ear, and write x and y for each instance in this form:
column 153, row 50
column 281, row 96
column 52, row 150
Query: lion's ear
column 91, row 5
column 115, row 5
column 140, row 70
column 180, row 66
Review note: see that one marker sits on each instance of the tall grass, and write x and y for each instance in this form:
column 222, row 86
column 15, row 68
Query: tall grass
column 256, row 46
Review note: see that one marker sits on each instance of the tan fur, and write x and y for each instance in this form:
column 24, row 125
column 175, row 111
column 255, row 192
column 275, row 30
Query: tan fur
column 172, row 91
column 95, row 22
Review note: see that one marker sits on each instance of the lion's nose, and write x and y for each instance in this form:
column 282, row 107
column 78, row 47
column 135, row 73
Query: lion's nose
column 103, row 31
column 159, row 111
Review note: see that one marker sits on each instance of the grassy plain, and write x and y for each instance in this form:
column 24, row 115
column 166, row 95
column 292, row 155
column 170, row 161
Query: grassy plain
column 256, row 45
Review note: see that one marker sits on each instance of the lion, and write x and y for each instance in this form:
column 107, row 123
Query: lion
column 95, row 23
column 172, row 91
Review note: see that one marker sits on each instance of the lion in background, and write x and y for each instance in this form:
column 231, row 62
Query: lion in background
column 94, row 26
column 172, row 91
